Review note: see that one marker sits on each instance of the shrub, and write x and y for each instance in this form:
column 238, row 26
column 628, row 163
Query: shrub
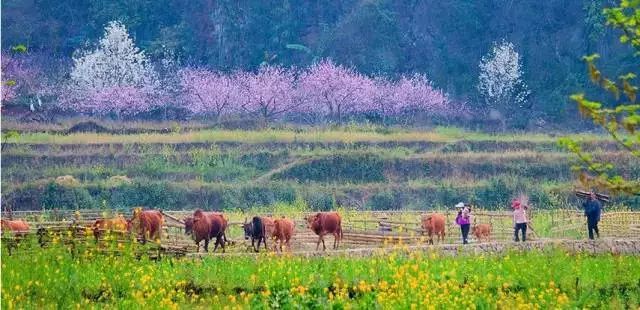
column 67, row 180
column 319, row 201
column 496, row 193
column 117, row 180
column 384, row 200
column 56, row 196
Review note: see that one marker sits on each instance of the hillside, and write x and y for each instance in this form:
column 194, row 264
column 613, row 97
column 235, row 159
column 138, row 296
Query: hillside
column 217, row 169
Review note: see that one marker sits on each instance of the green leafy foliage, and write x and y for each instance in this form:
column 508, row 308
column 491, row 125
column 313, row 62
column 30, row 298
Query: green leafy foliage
column 20, row 48
column 57, row 196
column 621, row 121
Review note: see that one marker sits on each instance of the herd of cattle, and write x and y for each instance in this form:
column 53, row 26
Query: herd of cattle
column 208, row 226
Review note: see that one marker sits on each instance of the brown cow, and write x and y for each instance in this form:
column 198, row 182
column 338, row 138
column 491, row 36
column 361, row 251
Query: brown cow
column 282, row 232
column 17, row 227
column 117, row 224
column 225, row 224
column 326, row 223
column 433, row 224
column 201, row 229
column 482, row 231
column 218, row 227
column 188, row 224
column 148, row 223
column 269, row 225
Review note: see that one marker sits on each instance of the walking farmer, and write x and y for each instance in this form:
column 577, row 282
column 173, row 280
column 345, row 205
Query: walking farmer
column 519, row 220
column 592, row 210
column 464, row 220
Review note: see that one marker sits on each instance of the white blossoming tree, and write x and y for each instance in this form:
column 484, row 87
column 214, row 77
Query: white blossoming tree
column 501, row 81
column 116, row 77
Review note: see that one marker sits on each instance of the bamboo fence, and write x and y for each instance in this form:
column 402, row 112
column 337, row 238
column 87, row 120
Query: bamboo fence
column 361, row 228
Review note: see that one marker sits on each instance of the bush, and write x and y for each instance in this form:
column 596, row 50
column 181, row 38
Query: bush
column 118, row 180
column 263, row 161
column 67, row 180
column 497, row 193
column 320, row 201
column 384, row 200
column 264, row 195
column 56, row 196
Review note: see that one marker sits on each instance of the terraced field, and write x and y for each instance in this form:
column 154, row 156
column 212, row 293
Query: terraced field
column 227, row 170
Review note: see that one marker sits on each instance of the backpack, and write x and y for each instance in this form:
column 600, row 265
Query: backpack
column 459, row 218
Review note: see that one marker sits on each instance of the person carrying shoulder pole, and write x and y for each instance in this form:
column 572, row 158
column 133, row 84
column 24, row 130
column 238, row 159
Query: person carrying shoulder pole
column 519, row 220
column 592, row 210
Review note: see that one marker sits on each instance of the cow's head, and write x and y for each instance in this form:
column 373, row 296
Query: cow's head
column 312, row 220
column 136, row 212
column 135, row 219
column 248, row 229
column 188, row 226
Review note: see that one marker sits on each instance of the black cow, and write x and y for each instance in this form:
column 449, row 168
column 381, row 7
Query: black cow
column 256, row 231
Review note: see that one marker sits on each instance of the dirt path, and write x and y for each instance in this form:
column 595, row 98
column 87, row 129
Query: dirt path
column 265, row 177
column 303, row 160
column 615, row 246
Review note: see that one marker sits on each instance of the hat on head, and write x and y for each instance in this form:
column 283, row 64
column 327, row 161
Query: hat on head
column 460, row 205
column 515, row 203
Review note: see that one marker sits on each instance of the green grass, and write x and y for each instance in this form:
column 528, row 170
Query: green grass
column 61, row 277
column 289, row 136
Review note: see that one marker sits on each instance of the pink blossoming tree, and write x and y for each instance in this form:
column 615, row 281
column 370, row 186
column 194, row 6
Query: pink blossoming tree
column 417, row 94
column 207, row 92
column 122, row 100
column 270, row 92
column 22, row 78
column 334, row 90
column 9, row 84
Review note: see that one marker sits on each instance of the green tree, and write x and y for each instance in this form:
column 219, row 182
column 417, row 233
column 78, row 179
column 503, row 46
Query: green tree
column 620, row 120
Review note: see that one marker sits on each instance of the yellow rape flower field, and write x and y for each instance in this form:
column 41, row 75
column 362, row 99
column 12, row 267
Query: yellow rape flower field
column 85, row 276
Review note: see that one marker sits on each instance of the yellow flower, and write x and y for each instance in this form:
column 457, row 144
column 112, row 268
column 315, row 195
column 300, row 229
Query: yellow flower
column 383, row 285
column 301, row 289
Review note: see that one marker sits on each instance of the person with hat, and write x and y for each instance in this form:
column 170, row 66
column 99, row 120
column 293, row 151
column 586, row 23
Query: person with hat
column 519, row 219
column 592, row 210
column 464, row 220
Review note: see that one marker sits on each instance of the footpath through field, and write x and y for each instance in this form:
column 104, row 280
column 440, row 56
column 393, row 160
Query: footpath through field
column 609, row 245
